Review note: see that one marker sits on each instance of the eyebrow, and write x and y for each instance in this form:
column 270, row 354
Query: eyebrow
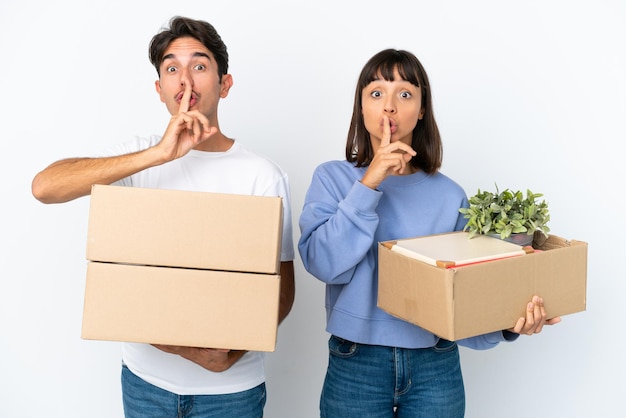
column 195, row 55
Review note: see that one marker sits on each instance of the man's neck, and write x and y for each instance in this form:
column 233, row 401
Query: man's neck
column 216, row 143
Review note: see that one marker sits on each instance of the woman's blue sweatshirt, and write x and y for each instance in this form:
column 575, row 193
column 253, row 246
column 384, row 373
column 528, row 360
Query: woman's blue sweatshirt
column 342, row 223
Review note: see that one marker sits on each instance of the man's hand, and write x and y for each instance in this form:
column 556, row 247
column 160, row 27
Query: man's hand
column 213, row 359
column 186, row 130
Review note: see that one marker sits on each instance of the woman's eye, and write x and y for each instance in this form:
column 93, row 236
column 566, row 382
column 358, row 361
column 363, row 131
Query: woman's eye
column 405, row 95
column 375, row 94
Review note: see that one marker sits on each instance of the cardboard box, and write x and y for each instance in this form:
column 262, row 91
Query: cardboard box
column 185, row 229
column 460, row 302
column 183, row 268
column 189, row 307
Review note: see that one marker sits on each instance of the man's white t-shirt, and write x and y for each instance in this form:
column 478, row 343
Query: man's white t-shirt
column 236, row 171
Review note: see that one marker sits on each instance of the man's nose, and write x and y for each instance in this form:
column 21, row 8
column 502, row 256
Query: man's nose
column 186, row 78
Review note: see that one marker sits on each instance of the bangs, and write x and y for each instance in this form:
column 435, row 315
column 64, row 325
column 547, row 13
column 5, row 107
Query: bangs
column 386, row 64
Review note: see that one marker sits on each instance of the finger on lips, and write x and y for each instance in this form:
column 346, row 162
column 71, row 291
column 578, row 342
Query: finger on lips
column 386, row 139
column 186, row 99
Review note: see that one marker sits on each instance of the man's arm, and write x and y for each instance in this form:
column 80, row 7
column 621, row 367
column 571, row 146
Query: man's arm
column 72, row 178
column 287, row 289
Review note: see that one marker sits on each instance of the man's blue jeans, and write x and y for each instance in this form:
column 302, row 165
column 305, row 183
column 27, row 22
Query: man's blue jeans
column 379, row 382
column 143, row 400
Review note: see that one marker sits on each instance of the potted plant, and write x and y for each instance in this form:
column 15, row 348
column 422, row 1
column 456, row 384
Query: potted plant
column 507, row 214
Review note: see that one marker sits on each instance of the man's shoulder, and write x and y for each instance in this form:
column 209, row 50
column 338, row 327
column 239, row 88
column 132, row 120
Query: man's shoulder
column 243, row 152
column 134, row 144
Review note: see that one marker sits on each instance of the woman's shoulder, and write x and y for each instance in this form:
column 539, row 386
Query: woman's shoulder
column 335, row 166
column 448, row 182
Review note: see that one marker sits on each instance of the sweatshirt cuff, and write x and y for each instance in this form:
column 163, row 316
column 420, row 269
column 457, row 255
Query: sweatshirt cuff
column 509, row 336
column 363, row 198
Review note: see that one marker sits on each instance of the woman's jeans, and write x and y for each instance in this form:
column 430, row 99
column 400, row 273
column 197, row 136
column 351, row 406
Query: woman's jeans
column 379, row 382
column 143, row 400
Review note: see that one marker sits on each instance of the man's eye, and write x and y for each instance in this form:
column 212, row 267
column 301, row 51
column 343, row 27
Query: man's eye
column 170, row 69
column 200, row 67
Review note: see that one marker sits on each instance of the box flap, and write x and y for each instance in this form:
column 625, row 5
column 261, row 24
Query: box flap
column 185, row 229
column 189, row 307
column 410, row 289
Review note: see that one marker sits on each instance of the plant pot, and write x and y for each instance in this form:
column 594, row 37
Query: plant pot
column 519, row 239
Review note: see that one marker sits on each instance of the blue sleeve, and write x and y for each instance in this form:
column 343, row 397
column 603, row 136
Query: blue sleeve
column 337, row 226
column 487, row 341
column 461, row 221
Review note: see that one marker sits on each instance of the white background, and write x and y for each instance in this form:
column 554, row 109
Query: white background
column 527, row 94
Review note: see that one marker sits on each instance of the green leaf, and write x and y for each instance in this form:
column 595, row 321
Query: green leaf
column 506, row 212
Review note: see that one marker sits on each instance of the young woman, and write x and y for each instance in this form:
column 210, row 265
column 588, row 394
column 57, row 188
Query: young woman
column 389, row 187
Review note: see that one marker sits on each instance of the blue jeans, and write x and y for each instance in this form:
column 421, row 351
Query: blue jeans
column 375, row 381
column 143, row 400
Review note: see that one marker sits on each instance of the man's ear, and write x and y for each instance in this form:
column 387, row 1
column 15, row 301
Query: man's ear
column 227, row 83
column 157, row 86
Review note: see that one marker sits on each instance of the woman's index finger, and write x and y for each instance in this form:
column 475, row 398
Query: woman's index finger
column 386, row 139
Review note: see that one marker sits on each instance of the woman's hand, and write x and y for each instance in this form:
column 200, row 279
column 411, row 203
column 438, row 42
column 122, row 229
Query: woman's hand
column 535, row 318
column 391, row 158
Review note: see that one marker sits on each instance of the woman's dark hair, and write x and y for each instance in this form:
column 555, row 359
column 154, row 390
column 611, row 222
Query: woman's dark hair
column 426, row 138
column 180, row 27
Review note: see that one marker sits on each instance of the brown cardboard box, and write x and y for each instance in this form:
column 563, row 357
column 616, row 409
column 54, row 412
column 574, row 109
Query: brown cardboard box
column 190, row 307
column 185, row 229
column 183, row 268
column 460, row 302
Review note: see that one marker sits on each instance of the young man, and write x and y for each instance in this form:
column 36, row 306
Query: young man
column 193, row 154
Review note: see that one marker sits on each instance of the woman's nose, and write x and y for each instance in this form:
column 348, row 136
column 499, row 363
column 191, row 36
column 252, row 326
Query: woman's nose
column 390, row 107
